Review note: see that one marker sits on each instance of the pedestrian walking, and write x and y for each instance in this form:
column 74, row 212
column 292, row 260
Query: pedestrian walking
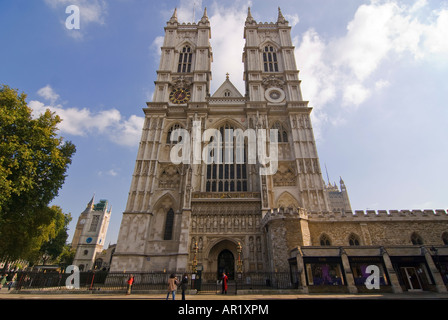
column 3, row 280
column 224, row 283
column 172, row 286
column 184, row 285
column 130, row 283
column 12, row 282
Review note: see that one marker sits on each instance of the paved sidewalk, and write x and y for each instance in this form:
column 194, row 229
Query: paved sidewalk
column 4, row 294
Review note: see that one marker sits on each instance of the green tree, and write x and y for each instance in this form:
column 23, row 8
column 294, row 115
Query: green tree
column 33, row 165
column 67, row 256
column 53, row 248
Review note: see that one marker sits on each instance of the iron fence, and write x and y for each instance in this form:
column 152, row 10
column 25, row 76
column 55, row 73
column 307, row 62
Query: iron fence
column 155, row 281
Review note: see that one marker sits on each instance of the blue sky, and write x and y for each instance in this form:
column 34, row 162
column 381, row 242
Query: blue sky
column 374, row 71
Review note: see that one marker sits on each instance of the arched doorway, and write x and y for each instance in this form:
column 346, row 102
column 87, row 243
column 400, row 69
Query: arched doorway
column 226, row 263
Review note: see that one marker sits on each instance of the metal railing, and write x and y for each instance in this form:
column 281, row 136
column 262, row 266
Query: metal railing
column 154, row 281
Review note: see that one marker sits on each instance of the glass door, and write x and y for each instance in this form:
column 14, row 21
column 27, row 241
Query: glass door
column 413, row 279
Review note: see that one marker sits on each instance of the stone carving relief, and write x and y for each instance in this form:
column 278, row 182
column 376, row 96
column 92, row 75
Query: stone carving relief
column 285, row 176
column 169, row 177
column 273, row 82
column 286, row 200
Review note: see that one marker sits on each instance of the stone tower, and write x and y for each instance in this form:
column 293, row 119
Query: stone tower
column 90, row 233
column 206, row 209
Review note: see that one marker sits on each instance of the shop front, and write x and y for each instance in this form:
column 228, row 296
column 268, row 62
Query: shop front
column 413, row 273
column 395, row 269
column 324, row 274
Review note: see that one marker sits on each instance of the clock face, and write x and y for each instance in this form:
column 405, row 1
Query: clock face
column 180, row 96
column 82, row 221
column 275, row 95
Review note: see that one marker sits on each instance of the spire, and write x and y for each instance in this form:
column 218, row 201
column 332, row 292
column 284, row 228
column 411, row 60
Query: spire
column 328, row 177
column 204, row 18
column 341, row 182
column 249, row 18
column 91, row 203
column 173, row 17
column 281, row 18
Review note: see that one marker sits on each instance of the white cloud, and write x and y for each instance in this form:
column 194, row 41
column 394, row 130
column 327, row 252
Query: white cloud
column 354, row 95
column 228, row 45
column 111, row 172
column 293, row 19
column 48, row 93
column 82, row 122
column 436, row 39
column 156, row 45
column 189, row 11
column 380, row 84
column 342, row 70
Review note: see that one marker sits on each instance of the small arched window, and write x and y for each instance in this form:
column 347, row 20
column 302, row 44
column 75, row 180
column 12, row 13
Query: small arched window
column 185, row 59
column 282, row 134
column 353, row 240
column 416, row 239
column 227, row 93
column 176, row 138
column 325, row 240
column 270, row 61
column 169, row 223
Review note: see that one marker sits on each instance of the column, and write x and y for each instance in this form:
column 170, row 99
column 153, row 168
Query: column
column 301, row 270
column 440, row 286
column 348, row 272
column 396, row 287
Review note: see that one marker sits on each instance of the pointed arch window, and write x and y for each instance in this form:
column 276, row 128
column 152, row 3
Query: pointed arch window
column 228, row 171
column 185, row 59
column 175, row 138
column 416, row 239
column 353, row 240
column 270, row 61
column 169, row 223
column 325, row 240
column 282, row 135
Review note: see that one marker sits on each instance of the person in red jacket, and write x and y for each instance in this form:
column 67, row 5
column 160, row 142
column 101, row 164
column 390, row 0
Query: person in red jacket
column 224, row 283
column 130, row 283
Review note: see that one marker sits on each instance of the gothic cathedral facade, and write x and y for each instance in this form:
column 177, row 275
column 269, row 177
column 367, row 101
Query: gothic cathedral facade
column 174, row 207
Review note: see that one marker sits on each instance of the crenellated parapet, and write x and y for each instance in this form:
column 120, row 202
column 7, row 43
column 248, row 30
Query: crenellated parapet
column 284, row 213
column 378, row 215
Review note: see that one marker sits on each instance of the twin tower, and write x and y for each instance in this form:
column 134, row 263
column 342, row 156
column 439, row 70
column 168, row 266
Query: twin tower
column 208, row 214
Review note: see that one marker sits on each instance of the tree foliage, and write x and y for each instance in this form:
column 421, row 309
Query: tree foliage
column 33, row 165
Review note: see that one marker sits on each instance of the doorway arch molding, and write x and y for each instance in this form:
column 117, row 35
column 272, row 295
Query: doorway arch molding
column 216, row 246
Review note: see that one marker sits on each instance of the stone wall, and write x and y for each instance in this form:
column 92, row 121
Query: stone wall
column 379, row 227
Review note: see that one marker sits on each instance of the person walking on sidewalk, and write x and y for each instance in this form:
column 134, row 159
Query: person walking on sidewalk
column 184, row 285
column 130, row 283
column 224, row 283
column 3, row 280
column 172, row 286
